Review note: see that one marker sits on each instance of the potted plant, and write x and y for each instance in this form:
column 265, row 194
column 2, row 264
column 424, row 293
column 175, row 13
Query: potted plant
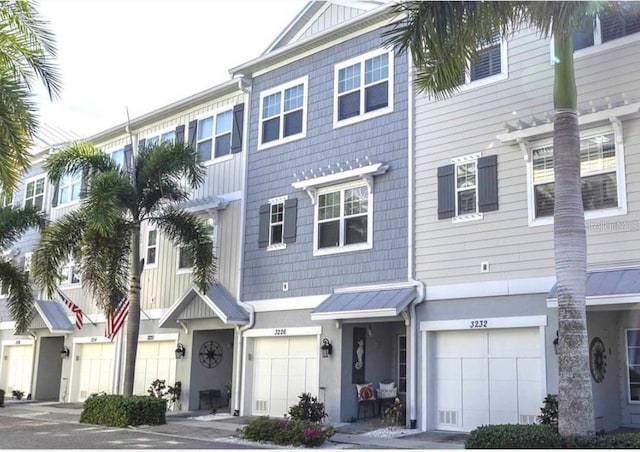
column 17, row 394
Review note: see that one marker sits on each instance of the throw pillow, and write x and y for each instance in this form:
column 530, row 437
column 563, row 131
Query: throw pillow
column 387, row 387
column 365, row 392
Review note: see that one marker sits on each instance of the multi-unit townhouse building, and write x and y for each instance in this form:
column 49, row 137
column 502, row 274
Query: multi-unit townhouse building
column 369, row 234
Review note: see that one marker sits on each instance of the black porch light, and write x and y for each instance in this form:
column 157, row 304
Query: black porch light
column 64, row 352
column 556, row 341
column 180, row 351
column 326, row 348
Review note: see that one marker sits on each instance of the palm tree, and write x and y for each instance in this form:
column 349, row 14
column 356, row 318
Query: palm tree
column 441, row 38
column 104, row 233
column 27, row 53
column 13, row 223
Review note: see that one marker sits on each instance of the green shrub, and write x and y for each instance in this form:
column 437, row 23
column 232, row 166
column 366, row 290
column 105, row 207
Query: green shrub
column 511, row 436
column 549, row 411
column 1, row 397
column 118, row 411
column 287, row 432
column 308, row 409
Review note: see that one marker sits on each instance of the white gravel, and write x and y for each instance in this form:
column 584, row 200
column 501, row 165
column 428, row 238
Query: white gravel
column 390, row 432
column 211, row 417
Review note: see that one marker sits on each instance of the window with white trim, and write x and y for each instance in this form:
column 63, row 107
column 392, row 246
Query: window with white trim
column 598, row 171
column 165, row 137
column 185, row 260
column 34, row 193
column 6, row 198
column 466, row 188
column 27, row 264
column 608, row 27
column 151, row 254
column 276, row 224
column 69, row 188
column 343, row 218
column 70, row 274
column 117, row 157
column 632, row 337
column 214, row 135
column 283, row 113
column 491, row 64
column 363, row 87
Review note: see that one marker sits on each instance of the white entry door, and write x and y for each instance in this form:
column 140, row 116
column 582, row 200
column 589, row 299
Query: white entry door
column 284, row 368
column 95, row 373
column 155, row 360
column 487, row 377
column 17, row 369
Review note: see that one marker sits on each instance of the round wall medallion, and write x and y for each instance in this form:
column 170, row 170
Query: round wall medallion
column 210, row 354
column 597, row 359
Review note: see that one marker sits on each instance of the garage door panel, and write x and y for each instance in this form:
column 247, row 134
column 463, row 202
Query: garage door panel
column 529, row 369
column 17, row 368
column 304, row 346
column 95, row 369
column 503, row 396
column 451, row 344
column 449, row 394
column 503, row 369
column 510, row 342
column 473, row 418
column 448, row 369
column 155, row 360
column 475, row 369
column 475, row 393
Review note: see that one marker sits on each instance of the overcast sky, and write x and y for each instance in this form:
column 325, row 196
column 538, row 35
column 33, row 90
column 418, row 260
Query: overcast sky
column 143, row 54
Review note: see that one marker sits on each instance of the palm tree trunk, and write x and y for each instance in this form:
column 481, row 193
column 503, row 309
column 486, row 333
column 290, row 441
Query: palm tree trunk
column 133, row 319
column 575, row 396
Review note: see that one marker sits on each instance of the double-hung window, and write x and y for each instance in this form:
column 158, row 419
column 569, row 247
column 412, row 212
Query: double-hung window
column 343, row 218
column 363, row 87
column 117, row 157
column 277, row 223
column 151, row 254
column 490, row 65
column 214, row 136
column 69, row 188
column 608, row 27
column 6, row 198
column 70, row 274
column 34, row 193
column 599, row 174
column 283, row 113
column 166, row 137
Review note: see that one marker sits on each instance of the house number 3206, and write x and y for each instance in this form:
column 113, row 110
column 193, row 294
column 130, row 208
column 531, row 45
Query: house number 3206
column 478, row 324
column 281, row 332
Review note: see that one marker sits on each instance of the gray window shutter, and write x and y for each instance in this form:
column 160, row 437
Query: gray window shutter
column 141, row 144
column 83, row 182
column 180, row 133
column 236, row 130
column 193, row 126
column 488, row 183
column 446, row 192
column 290, row 218
column 54, row 197
column 128, row 157
column 263, row 230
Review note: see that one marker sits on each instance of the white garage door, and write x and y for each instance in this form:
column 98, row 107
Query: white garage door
column 154, row 360
column 284, row 368
column 487, row 377
column 17, row 369
column 95, row 369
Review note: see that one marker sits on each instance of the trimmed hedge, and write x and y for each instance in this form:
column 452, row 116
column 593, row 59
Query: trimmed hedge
column 119, row 411
column 287, row 432
column 1, row 397
column 537, row 436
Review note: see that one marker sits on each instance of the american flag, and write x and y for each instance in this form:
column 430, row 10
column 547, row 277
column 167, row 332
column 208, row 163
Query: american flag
column 116, row 320
column 74, row 308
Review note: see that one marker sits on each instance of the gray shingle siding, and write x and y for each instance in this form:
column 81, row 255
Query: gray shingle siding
column 270, row 174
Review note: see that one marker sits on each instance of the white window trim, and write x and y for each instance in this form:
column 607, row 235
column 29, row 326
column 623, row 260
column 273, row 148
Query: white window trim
column 71, row 202
column 181, row 271
column 503, row 75
column 158, row 133
column 214, row 113
column 304, row 81
column 467, row 216
column 345, row 248
column 34, row 179
column 277, row 246
column 616, row 129
column 146, row 247
column 375, row 113
column 66, row 271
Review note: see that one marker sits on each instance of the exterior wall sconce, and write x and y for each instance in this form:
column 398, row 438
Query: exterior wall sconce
column 556, row 341
column 180, row 351
column 326, row 348
column 64, row 352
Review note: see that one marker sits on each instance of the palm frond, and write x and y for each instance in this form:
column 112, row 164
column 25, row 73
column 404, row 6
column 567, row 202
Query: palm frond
column 78, row 158
column 176, row 161
column 20, row 295
column 108, row 198
column 186, row 229
column 59, row 241
column 16, row 221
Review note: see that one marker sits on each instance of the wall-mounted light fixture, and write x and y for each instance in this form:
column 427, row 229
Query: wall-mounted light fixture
column 556, row 341
column 326, row 348
column 180, row 351
column 64, row 352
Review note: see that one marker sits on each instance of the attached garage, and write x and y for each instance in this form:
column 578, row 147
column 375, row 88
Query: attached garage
column 95, row 368
column 154, row 360
column 17, row 367
column 284, row 368
column 486, row 376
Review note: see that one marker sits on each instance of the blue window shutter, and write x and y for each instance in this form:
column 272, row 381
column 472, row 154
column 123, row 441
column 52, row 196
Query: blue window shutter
column 128, row 157
column 446, row 192
column 141, row 144
column 263, row 230
column 180, row 134
column 193, row 127
column 488, row 183
column 236, row 128
column 290, row 219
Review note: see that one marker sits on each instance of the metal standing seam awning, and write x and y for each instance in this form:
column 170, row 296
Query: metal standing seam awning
column 54, row 317
column 217, row 300
column 618, row 283
column 363, row 304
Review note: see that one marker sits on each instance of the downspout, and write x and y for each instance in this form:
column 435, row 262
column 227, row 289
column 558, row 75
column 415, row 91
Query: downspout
column 245, row 85
column 420, row 286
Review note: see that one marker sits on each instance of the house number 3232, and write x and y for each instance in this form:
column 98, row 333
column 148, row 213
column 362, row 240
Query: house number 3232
column 478, row 324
